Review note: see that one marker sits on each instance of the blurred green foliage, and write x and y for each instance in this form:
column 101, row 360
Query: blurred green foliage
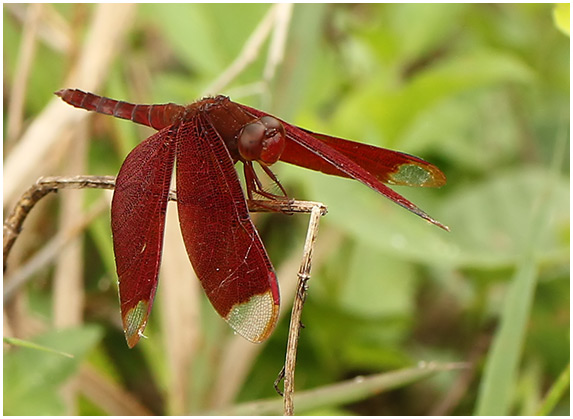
column 480, row 90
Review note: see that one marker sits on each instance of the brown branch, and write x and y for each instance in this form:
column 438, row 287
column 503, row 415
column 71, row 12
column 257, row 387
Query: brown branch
column 300, row 296
column 114, row 399
column 24, row 65
column 14, row 221
column 45, row 185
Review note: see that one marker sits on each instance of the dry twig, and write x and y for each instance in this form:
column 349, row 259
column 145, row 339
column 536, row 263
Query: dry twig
column 276, row 20
column 300, row 296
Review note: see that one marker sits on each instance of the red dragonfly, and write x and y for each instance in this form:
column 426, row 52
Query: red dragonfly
column 206, row 139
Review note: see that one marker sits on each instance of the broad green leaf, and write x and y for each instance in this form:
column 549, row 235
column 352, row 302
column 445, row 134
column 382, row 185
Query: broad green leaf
column 389, row 110
column 32, row 375
column 474, row 131
column 489, row 221
column 202, row 36
column 419, row 28
column 377, row 285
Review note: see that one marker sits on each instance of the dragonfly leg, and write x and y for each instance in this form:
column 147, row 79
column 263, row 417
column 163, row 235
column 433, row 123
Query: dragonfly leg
column 255, row 186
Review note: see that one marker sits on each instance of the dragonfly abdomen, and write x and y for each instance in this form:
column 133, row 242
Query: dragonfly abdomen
column 154, row 116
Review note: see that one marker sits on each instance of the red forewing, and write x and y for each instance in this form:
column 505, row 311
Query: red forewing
column 388, row 166
column 336, row 156
column 138, row 221
column 224, row 248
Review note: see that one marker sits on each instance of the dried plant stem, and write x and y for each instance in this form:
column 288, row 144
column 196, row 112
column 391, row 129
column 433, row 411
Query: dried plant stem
column 106, row 393
column 14, row 221
column 25, row 60
column 277, row 46
column 300, row 296
column 247, row 55
column 45, row 185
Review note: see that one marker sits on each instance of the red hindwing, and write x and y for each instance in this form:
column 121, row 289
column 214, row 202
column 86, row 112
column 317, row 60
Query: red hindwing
column 223, row 245
column 137, row 222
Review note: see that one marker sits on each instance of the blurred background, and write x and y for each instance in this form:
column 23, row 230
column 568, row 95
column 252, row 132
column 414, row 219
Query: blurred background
column 482, row 91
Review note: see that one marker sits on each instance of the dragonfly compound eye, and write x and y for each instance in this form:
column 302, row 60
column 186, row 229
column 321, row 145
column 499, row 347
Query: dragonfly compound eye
column 262, row 140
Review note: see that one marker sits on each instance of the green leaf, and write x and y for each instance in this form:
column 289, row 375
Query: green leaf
column 377, row 285
column 32, row 345
column 419, row 28
column 558, row 389
column 32, row 375
column 388, row 110
column 489, row 220
column 474, row 131
column 205, row 38
column 498, row 385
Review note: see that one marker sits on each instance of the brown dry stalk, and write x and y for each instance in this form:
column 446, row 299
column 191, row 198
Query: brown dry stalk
column 300, row 296
column 14, row 221
column 45, row 185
